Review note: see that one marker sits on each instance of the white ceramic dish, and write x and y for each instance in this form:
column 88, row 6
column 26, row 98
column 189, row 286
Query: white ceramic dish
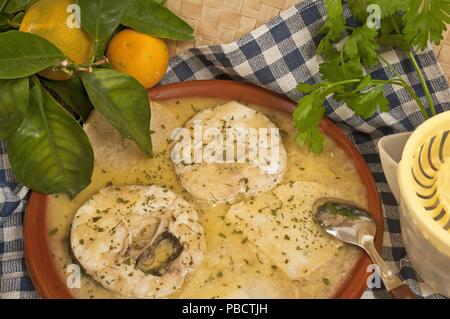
column 417, row 168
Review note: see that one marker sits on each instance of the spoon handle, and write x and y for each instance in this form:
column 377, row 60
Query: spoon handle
column 402, row 292
column 394, row 285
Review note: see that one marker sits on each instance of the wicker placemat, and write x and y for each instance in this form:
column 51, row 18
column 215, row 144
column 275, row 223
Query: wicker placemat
column 222, row 21
column 443, row 54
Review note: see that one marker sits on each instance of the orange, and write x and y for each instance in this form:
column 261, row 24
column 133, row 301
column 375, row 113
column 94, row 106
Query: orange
column 141, row 56
column 48, row 19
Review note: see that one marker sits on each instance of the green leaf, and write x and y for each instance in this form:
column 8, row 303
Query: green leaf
column 3, row 5
column 394, row 40
column 309, row 112
column 14, row 6
column 332, row 29
column 335, row 23
column 154, row 19
column 389, row 25
column 389, row 7
column 365, row 83
column 100, row 18
column 17, row 19
column 326, row 48
column 123, row 102
column 383, row 103
column 307, row 117
column 308, row 88
column 365, row 104
column 359, row 9
column 14, row 96
column 73, row 94
column 313, row 138
column 336, row 70
column 362, row 43
column 389, row 35
column 426, row 20
column 50, row 152
column 23, row 54
column 4, row 21
column 10, row 21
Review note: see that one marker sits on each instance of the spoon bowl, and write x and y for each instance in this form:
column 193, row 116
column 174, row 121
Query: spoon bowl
column 353, row 225
column 344, row 220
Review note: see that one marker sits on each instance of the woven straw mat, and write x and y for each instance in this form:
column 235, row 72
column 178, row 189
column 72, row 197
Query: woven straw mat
column 223, row 21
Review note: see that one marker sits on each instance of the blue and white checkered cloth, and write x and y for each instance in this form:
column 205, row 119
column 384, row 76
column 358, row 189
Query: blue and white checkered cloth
column 276, row 56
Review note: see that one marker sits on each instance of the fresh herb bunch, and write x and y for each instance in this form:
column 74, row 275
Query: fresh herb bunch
column 405, row 24
column 47, row 147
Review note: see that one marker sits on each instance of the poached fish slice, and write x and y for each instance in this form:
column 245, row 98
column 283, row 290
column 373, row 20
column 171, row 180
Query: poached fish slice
column 138, row 241
column 218, row 182
column 281, row 224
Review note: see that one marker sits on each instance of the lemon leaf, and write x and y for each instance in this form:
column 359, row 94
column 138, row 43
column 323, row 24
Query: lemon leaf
column 14, row 6
column 154, row 19
column 50, row 152
column 14, row 95
column 23, row 54
column 123, row 102
column 3, row 3
column 4, row 22
column 100, row 18
column 73, row 94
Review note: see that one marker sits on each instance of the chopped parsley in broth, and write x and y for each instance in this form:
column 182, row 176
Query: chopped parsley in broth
column 234, row 265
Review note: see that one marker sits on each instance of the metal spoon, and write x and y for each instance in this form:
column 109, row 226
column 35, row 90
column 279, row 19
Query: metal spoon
column 353, row 225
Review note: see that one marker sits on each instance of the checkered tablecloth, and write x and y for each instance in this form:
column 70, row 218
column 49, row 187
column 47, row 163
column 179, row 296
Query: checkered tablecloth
column 276, row 56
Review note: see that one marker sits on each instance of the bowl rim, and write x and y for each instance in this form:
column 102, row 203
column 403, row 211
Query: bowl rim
column 40, row 264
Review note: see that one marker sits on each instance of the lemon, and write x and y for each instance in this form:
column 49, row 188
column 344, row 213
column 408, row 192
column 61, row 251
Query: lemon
column 49, row 19
column 141, row 56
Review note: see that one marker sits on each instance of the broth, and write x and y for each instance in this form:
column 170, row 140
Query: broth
column 231, row 269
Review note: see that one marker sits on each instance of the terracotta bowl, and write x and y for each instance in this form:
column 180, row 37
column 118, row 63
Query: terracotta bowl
column 43, row 271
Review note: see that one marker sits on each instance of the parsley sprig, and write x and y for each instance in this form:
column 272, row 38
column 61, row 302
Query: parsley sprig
column 405, row 24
